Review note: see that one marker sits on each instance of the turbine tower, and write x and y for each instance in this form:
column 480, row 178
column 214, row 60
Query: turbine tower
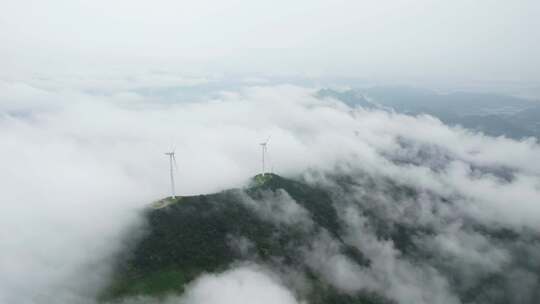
column 264, row 149
column 172, row 159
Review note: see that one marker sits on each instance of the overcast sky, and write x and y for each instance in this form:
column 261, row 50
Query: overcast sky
column 462, row 40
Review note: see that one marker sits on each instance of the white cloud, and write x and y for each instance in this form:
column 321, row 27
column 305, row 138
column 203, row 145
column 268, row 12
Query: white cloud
column 245, row 284
column 279, row 208
column 77, row 166
column 388, row 273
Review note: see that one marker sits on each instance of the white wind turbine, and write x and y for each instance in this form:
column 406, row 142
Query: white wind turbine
column 264, row 147
column 172, row 159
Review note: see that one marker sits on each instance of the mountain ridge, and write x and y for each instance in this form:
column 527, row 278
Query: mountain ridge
column 295, row 227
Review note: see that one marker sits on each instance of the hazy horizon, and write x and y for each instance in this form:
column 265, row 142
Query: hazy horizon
column 426, row 43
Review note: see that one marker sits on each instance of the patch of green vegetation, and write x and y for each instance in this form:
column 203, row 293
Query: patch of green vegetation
column 157, row 284
column 162, row 203
column 261, row 179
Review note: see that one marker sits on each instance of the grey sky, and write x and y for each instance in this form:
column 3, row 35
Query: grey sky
column 482, row 40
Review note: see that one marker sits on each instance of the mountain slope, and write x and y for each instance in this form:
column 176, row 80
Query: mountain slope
column 491, row 114
column 300, row 228
column 197, row 234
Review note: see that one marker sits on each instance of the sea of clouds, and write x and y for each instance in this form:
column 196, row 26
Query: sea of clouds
column 80, row 157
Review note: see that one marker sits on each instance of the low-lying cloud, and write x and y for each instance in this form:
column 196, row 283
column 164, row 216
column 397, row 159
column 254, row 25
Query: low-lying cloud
column 239, row 285
column 76, row 167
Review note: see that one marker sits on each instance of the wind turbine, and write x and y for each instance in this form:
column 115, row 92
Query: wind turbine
column 172, row 159
column 264, row 147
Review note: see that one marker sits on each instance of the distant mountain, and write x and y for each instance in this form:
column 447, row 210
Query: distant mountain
column 492, row 114
column 294, row 226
